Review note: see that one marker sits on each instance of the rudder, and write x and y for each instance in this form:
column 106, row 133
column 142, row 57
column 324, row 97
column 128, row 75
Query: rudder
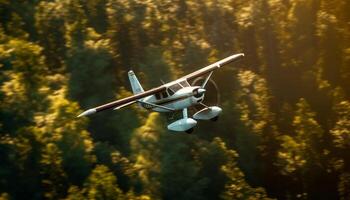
column 135, row 84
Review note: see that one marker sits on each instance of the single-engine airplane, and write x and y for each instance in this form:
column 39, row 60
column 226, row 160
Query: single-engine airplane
column 173, row 96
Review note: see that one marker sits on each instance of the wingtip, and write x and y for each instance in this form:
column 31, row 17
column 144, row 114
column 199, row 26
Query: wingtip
column 239, row 55
column 80, row 115
column 87, row 112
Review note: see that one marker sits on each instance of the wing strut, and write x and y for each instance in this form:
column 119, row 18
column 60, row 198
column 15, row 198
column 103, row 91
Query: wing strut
column 155, row 105
column 122, row 106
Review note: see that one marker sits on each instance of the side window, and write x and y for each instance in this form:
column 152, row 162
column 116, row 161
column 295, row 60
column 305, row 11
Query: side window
column 170, row 91
column 175, row 87
column 164, row 94
column 157, row 96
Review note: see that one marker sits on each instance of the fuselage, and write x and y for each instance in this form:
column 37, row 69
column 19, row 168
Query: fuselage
column 182, row 98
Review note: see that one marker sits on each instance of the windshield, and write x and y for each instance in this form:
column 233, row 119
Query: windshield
column 175, row 87
column 185, row 84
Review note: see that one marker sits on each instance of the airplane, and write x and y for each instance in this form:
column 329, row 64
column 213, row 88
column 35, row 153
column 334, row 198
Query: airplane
column 173, row 96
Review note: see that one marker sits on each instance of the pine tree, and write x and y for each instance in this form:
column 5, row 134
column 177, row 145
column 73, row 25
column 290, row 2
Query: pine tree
column 145, row 153
column 301, row 153
column 101, row 184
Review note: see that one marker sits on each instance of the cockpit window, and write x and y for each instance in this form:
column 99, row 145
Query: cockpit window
column 170, row 91
column 184, row 83
column 164, row 94
column 175, row 87
column 157, row 96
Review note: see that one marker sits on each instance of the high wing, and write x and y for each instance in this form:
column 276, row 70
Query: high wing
column 208, row 69
column 133, row 99
column 213, row 66
column 124, row 101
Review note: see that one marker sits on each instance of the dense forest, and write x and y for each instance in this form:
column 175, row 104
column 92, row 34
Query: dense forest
column 285, row 128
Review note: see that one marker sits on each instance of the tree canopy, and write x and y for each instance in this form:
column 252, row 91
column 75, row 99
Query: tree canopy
column 285, row 128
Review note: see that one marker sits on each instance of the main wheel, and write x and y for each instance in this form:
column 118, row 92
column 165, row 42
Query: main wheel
column 189, row 131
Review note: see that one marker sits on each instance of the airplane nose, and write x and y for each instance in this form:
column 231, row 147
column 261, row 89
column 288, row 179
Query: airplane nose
column 198, row 92
column 201, row 91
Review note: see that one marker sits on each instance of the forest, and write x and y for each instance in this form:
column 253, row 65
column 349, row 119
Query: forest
column 285, row 128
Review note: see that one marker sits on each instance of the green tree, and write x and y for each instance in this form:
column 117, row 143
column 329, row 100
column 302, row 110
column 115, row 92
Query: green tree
column 181, row 159
column 49, row 22
column 54, row 177
column 22, row 65
column 55, row 124
column 341, row 130
column 253, row 99
column 145, row 153
column 21, row 97
column 235, row 186
column 101, row 184
column 300, row 153
column 340, row 139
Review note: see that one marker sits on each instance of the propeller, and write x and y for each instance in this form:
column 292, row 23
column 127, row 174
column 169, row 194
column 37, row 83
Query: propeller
column 212, row 94
column 206, row 80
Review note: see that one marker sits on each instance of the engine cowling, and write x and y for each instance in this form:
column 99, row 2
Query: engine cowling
column 207, row 113
column 182, row 125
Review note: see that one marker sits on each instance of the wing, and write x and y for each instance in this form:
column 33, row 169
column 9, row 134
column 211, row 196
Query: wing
column 207, row 69
column 133, row 99
column 213, row 66
column 123, row 102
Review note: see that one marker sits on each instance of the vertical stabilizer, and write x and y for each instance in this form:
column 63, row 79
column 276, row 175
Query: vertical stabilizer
column 135, row 84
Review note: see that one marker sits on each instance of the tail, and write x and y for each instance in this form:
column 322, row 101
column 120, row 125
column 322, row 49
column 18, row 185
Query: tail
column 135, row 84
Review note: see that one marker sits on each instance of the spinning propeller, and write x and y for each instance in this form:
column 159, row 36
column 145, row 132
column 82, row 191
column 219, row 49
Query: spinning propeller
column 212, row 95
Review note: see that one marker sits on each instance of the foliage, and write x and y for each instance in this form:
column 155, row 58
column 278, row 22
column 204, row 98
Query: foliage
column 285, row 128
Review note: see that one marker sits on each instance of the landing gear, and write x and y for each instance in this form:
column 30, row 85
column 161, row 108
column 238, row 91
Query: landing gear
column 208, row 113
column 185, row 115
column 185, row 124
column 189, row 131
column 214, row 119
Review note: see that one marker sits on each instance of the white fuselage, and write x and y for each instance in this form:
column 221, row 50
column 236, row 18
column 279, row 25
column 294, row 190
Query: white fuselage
column 183, row 98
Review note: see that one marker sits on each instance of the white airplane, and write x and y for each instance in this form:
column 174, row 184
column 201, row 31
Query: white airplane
column 172, row 96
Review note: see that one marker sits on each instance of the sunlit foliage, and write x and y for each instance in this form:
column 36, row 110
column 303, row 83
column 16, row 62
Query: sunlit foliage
column 286, row 127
